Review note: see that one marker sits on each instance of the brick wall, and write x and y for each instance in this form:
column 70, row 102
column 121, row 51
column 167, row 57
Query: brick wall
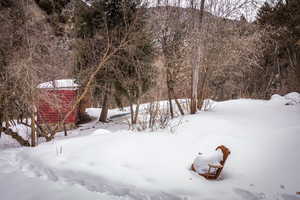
column 53, row 105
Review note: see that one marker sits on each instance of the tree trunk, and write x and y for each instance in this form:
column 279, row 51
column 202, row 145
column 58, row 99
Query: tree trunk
column 131, row 112
column 202, row 91
column 170, row 103
column 194, row 89
column 169, row 92
column 33, row 131
column 136, row 112
column 104, row 111
column 15, row 136
column 177, row 102
column 65, row 129
column 195, row 65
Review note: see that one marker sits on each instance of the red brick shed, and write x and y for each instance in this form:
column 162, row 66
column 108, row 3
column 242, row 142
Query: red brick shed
column 55, row 101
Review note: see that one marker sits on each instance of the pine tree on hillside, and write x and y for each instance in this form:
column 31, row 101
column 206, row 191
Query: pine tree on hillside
column 283, row 17
column 52, row 6
column 129, row 73
column 283, row 13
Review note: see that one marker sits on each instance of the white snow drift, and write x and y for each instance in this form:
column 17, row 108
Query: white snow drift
column 263, row 136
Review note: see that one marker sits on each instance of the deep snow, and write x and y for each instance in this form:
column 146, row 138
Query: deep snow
column 110, row 162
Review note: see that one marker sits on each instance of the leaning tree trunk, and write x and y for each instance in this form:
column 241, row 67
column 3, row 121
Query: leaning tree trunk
column 15, row 136
column 177, row 102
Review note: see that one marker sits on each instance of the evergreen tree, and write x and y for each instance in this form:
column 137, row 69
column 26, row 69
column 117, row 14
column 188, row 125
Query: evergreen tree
column 283, row 13
column 283, row 18
column 52, row 6
column 129, row 73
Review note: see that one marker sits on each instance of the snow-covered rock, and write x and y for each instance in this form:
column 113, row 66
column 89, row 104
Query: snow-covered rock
column 278, row 98
column 100, row 132
column 293, row 98
column 288, row 99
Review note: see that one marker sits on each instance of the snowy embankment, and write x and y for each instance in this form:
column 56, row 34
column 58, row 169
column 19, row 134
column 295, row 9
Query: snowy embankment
column 263, row 136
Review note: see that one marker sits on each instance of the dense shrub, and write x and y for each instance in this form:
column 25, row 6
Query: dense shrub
column 52, row 6
column 6, row 3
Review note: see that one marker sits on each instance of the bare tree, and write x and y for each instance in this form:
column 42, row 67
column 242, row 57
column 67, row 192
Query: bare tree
column 170, row 26
column 196, row 55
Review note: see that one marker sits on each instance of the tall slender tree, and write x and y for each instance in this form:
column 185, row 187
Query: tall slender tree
column 196, row 55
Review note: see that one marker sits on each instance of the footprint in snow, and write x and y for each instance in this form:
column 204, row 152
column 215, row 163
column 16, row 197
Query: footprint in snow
column 247, row 195
column 290, row 197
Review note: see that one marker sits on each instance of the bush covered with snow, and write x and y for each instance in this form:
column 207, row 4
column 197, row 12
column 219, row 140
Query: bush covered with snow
column 292, row 98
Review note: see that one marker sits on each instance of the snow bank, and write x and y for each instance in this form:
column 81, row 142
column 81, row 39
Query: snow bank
column 263, row 137
column 292, row 98
column 101, row 131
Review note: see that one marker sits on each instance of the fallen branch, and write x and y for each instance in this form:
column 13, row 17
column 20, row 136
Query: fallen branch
column 15, row 136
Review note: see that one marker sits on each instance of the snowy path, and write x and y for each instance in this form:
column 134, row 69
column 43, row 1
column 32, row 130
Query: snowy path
column 35, row 182
column 22, row 183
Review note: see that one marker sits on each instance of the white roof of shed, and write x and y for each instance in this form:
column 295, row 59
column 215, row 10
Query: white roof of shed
column 58, row 84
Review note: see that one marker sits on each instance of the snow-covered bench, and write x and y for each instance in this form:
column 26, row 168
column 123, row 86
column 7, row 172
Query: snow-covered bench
column 210, row 166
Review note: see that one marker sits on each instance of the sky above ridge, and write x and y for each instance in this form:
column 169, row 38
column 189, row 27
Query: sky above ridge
column 232, row 9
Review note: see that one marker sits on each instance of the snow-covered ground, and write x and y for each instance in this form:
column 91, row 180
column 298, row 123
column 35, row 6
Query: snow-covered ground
column 106, row 161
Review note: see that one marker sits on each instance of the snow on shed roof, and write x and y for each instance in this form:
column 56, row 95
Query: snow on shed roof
column 58, row 84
